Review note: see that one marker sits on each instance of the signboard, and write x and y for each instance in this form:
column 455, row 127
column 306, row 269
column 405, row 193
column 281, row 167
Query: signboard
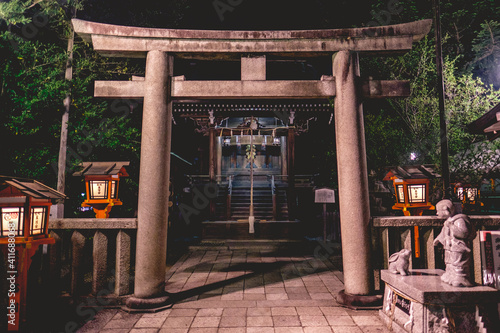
column 403, row 304
column 324, row 195
column 490, row 257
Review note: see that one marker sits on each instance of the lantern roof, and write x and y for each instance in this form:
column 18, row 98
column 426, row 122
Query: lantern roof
column 103, row 169
column 423, row 171
column 30, row 187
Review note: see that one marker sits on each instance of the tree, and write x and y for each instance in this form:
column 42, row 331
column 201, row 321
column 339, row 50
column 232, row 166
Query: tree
column 486, row 48
column 466, row 99
column 32, row 88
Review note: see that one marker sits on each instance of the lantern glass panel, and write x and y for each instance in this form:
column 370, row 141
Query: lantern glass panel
column 98, row 189
column 401, row 193
column 12, row 219
column 471, row 193
column 416, row 193
column 38, row 218
column 460, row 193
column 114, row 188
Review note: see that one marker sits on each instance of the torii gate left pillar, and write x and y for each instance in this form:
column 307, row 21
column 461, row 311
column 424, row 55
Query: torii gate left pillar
column 154, row 178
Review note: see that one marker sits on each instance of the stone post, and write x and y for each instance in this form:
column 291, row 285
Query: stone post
column 100, row 260
column 291, row 195
column 152, row 219
column 77, row 246
column 353, row 177
column 212, row 166
column 122, row 266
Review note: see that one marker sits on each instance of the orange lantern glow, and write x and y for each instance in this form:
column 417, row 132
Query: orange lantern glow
column 411, row 187
column 102, row 183
column 24, row 213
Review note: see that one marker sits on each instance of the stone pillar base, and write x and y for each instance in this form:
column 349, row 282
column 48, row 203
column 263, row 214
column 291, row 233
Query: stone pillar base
column 155, row 304
column 359, row 302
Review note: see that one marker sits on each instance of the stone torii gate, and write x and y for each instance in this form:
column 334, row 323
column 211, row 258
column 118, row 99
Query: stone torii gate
column 159, row 88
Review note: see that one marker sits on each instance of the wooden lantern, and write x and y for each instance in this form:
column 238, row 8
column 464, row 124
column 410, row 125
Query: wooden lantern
column 24, row 212
column 411, row 188
column 468, row 195
column 102, row 181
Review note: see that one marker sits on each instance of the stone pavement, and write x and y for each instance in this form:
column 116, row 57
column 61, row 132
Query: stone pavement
column 247, row 291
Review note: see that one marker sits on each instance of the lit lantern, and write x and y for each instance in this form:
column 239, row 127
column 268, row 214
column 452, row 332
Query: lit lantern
column 24, row 212
column 468, row 195
column 411, row 187
column 102, row 181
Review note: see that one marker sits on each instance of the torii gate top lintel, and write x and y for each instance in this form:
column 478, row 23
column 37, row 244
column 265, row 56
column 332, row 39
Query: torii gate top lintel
column 116, row 40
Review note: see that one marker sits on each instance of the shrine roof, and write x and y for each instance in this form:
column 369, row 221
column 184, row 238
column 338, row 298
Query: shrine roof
column 488, row 124
column 257, row 108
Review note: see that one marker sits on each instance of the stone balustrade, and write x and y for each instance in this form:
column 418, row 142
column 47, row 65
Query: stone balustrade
column 393, row 233
column 103, row 234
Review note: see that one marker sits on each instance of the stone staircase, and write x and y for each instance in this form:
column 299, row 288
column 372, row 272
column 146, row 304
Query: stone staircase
column 262, row 198
column 235, row 226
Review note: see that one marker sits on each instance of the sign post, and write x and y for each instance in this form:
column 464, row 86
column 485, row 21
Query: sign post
column 324, row 196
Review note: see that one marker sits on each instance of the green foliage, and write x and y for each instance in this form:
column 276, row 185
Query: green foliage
column 32, row 90
column 12, row 12
column 467, row 99
column 418, row 130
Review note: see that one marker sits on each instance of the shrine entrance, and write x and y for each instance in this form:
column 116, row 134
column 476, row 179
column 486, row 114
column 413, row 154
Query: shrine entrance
column 160, row 88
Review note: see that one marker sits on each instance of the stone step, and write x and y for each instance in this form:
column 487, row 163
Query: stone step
column 263, row 229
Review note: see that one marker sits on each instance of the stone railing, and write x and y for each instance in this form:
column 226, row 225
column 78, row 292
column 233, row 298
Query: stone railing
column 391, row 234
column 72, row 248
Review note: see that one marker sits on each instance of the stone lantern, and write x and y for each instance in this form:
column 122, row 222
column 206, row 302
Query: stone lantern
column 24, row 210
column 102, row 183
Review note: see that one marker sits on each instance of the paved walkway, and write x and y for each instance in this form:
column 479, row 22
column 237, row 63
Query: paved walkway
column 247, row 291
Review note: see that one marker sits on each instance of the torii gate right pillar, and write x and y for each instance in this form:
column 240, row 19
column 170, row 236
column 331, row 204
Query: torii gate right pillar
column 352, row 176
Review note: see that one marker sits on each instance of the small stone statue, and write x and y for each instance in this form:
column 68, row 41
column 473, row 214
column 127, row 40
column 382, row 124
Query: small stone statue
column 456, row 235
column 399, row 262
column 444, row 210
